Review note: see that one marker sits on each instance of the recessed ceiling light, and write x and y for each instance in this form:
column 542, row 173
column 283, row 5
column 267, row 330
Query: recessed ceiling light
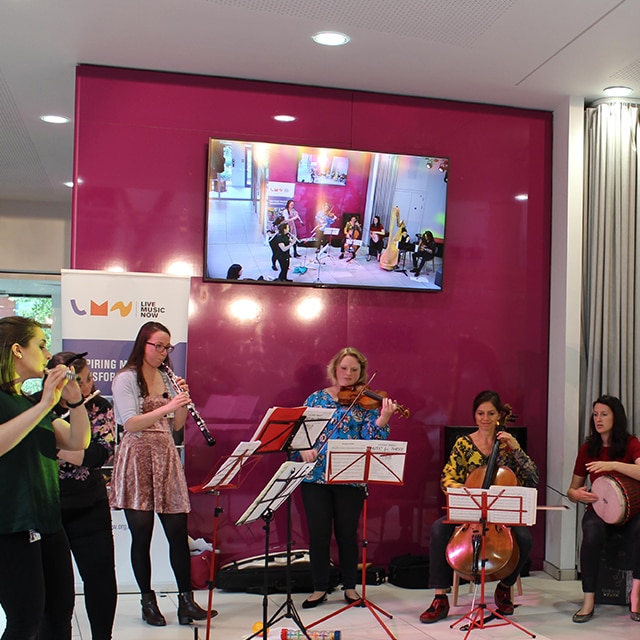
column 331, row 38
column 55, row 119
column 68, row 184
column 284, row 118
column 522, row 196
column 617, row 92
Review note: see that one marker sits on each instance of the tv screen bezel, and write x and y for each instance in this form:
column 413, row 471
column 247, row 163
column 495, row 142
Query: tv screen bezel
column 362, row 186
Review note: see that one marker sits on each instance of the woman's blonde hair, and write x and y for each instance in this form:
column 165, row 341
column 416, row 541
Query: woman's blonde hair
column 335, row 361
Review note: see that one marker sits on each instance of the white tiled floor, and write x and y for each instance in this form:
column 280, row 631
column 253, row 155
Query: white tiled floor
column 546, row 607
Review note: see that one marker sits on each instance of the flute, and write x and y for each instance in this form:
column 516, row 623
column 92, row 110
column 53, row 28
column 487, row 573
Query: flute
column 191, row 408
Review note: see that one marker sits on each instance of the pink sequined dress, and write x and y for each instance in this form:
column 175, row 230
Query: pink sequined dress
column 147, row 471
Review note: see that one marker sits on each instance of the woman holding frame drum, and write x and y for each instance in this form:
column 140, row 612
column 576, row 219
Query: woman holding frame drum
column 609, row 449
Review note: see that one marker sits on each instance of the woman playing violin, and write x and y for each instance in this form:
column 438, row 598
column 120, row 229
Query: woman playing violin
column 338, row 506
column 468, row 453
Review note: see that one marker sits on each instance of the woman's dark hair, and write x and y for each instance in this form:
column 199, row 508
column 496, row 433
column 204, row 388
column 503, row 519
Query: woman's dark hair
column 282, row 226
column 376, row 218
column 136, row 358
column 429, row 235
column 14, row 329
column 66, row 357
column 233, row 273
column 488, row 396
column 286, row 206
column 619, row 433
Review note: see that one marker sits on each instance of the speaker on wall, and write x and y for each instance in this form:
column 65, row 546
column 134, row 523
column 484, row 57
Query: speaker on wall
column 451, row 434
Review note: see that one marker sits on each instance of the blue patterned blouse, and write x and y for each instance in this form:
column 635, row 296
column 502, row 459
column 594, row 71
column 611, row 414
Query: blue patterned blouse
column 360, row 424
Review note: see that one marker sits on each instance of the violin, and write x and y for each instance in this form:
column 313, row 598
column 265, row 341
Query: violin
column 501, row 551
column 366, row 399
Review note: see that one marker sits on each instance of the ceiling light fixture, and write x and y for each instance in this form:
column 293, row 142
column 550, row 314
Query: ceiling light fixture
column 68, row 184
column 51, row 119
column 284, row 118
column 330, row 38
column 617, row 91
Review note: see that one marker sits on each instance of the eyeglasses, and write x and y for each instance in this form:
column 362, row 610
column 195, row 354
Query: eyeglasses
column 161, row 347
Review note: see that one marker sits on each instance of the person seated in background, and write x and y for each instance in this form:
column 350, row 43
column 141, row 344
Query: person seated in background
column 234, row 272
column 352, row 231
column 609, row 448
column 376, row 238
column 426, row 251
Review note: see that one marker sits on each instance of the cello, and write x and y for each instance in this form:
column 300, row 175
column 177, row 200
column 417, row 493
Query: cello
column 500, row 549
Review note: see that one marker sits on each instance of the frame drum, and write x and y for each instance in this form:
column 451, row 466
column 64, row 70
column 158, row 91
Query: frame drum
column 619, row 498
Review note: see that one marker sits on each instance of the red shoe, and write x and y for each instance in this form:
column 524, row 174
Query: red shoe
column 502, row 599
column 438, row 610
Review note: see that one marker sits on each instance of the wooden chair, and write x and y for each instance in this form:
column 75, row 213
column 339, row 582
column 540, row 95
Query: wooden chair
column 456, row 586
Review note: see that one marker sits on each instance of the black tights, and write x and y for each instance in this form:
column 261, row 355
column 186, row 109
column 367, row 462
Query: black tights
column 175, row 528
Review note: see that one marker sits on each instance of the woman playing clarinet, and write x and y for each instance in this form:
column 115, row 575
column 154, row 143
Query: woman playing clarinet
column 148, row 477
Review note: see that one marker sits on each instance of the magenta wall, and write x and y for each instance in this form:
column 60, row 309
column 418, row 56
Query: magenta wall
column 141, row 154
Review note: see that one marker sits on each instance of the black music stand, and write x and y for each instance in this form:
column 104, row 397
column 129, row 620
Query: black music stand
column 222, row 478
column 368, row 462
column 484, row 506
column 276, row 491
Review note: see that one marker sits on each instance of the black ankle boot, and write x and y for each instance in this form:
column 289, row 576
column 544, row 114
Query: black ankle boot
column 189, row 610
column 151, row 614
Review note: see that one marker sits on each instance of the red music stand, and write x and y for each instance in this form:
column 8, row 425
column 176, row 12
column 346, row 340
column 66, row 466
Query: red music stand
column 222, row 478
column 484, row 506
column 368, row 462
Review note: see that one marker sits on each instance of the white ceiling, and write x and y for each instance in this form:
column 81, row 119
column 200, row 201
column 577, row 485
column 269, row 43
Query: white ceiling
column 523, row 53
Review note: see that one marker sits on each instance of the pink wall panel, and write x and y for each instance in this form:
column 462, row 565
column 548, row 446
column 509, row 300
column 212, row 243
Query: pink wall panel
column 141, row 152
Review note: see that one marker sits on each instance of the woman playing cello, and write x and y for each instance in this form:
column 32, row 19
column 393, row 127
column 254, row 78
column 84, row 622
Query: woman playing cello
column 469, row 453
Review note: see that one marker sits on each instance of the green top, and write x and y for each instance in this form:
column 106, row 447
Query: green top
column 29, row 493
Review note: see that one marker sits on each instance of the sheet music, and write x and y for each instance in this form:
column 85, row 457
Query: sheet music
column 347, row 460
column 278, row 489
column 505, row 505
column 231, row 465
column 315, row 420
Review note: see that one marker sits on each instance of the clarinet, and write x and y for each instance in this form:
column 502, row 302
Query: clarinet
column 191, row 408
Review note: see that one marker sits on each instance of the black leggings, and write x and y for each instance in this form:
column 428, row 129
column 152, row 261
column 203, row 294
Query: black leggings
column 175, row 528
column 91, row 540
column 36, row 586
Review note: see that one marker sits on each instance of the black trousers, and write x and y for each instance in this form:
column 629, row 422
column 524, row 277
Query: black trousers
column 91, row 540
column 333, row 507
column 594, row 536
column 36, row 586
column 283, row 261
column 440, row 571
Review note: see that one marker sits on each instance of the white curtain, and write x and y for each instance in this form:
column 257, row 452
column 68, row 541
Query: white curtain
column 611, row 268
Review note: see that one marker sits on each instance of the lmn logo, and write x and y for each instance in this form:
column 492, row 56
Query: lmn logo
column 103, row 309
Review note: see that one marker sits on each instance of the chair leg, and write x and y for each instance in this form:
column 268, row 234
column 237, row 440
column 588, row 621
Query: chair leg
column 455, row 588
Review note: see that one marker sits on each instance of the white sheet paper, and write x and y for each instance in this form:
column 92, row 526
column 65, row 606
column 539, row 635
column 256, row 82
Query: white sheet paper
column 347, row 458
column 231, row 465
column 505, row 505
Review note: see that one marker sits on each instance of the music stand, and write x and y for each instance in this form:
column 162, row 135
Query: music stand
column 276, row 491
column 512, row 506
column 368, row 462
column 222, row 478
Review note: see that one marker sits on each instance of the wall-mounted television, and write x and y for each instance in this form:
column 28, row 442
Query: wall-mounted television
column 282, row 215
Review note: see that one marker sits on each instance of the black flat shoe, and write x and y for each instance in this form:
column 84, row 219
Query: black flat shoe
column 582, row 617
column 310, row 604
column 349, row 600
